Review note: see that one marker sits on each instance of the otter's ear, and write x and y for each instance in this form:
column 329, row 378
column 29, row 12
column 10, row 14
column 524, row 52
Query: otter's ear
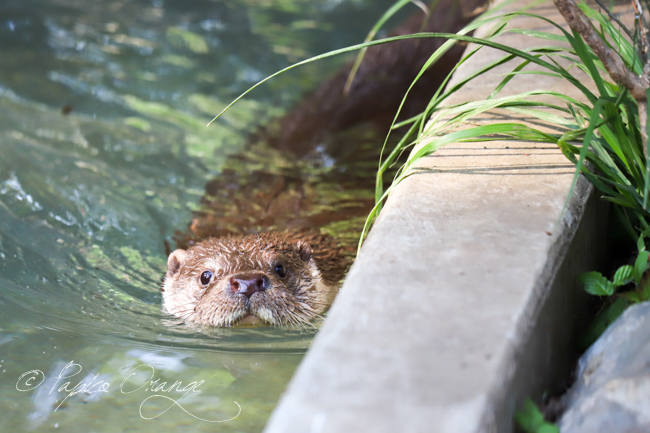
column 304, row 250
column 174, row 262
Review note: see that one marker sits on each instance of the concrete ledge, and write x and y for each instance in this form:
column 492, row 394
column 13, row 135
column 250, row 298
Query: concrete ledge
column 463, row 299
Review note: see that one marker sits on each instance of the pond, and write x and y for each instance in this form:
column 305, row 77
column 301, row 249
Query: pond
column 104, row 155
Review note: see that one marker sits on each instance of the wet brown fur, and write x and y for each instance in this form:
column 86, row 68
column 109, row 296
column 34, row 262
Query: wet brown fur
column 254, row 198
column 313, row 272
column 249, row 197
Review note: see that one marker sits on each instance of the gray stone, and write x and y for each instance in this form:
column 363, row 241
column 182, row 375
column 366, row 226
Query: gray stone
column 612, row 388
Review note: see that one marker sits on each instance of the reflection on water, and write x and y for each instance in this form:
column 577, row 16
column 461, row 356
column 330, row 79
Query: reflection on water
column 103, row 155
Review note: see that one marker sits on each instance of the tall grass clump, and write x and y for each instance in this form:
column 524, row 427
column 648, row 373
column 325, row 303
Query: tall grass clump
column 604, row 133
column 603, row 127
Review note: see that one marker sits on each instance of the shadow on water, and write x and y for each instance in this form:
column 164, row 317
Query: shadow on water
column 104, row 155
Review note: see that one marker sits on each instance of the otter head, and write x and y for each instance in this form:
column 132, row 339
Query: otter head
column 229, row 281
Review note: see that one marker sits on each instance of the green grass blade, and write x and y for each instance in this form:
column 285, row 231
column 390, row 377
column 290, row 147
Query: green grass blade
column 647, row 160
column 595, row 116
column 371, row 35
column 509, row 77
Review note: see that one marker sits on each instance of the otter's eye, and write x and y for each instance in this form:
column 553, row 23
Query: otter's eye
column 206, row 276
column 279, row 269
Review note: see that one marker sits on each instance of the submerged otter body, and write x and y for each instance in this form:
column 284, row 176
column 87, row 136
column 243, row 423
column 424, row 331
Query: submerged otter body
column 306, row 171
column 275, row 278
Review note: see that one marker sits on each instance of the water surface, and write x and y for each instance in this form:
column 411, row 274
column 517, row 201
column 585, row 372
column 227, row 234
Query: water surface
column 103, row 156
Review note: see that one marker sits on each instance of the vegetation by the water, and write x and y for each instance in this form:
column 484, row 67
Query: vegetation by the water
column 604, row 133
column 604, row 130
column 608, row 129
column 531, row 420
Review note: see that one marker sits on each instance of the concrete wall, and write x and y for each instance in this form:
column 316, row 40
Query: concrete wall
column 463, row 300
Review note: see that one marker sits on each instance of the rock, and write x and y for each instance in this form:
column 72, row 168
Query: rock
column 612, row 388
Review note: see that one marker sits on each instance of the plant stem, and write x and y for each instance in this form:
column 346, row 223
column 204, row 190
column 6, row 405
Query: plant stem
column 612, row 62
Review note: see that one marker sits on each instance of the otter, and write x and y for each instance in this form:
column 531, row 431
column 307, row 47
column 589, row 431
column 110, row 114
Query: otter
column 306, row 171
column 272, row 278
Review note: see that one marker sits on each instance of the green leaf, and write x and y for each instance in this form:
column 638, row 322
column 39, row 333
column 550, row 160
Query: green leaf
column 371, row 35
column 623, row 276
column 640, row 265
column 452, row 37
column 596, row 284
column 566, row 150
column 640, row 243
column 647, row 160
column 548, row 428
column 631, row 296
column 540, row 35
column 602, row 320
column 644, row 290
column 509, row 77
column 531, row 420
column 593, row 120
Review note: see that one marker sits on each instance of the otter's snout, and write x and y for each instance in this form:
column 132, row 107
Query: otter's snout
column 247, row 284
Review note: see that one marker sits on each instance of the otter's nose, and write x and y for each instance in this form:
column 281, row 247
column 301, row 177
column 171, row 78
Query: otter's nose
column 247, row 284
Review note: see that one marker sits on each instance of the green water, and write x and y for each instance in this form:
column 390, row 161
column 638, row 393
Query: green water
column 103, row 155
